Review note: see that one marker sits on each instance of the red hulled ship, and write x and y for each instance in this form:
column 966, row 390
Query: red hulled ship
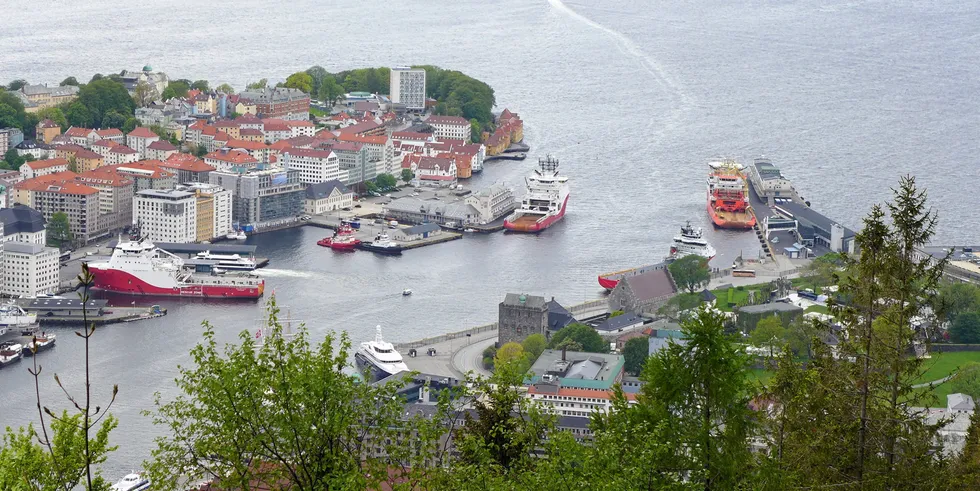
column 140, row 268
column 728, row 202
column 342, row 240
column 610, row 280
column 545, row 201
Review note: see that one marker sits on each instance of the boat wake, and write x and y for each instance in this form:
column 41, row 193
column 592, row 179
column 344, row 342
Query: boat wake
column 682, row 100
column 283, row 273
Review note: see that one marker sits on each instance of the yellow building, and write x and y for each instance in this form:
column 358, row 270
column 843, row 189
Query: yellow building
column 86, row 160
column 246, row 108
column 47, row 130
column 205, row 216
column 43, row 96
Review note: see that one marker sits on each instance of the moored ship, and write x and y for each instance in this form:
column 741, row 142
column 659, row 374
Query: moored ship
column 545, row 201
column 140, row 268
column 379, row 357
column 229, row 261
column 13, row 318
column 10, row 352
column 691, row 241
column 342, row 240
column 381, row 244
column 610, row 280
column 728, row 202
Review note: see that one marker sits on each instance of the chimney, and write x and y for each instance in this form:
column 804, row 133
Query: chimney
column 563, row 349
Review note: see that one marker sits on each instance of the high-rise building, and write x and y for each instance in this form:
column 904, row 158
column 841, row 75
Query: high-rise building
column 166, row 215
column 29, row 270
column 213, row 210
column 408, row 87
column 262, row 196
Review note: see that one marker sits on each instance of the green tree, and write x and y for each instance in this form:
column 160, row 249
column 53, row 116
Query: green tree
column 284, row 404
column 12, row 158
column 12, row 113
column 129, row 125
column 965, row 329
column 69, row 81
column 386, row 181
column 257, row 85
column 635, row 353
column 78, row 115
column 820, row 272
column 225, row 89
column 679, row 303
column 97, row 76
column 143, row 94
column 300, row 80
column 768, row 333
column 967, row 380
column 330, row 90
column 476, row 131
column 690, row 272
column 371, row 186
column 407, row 175
column 200, row 151
column 533, row 346
column 55, row 115
column 113, row 119
column 103, row 97
column 59, row 230
column 16, row 84
column 512, row 354
column 201, row 85
column 176, row 88
column 966, row 469
column 584, row 335
column 956, row 298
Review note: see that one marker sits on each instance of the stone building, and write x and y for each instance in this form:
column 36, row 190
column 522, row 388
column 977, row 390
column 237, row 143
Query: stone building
column 644, row 292
column 520, row 316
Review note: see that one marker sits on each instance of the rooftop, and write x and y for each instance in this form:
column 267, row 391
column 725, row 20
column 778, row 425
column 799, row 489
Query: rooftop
column 323, row 189
column 807, row 214
column 524, row 300
column 578, row 369
column 770, row 307
column 166, row 193
column 421, row 229
column 652, row 284
column 25, row 248
column 21, row 219
column 457, row 120
column 141, row 132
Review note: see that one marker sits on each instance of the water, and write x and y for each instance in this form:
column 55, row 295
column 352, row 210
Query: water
column 845, row 96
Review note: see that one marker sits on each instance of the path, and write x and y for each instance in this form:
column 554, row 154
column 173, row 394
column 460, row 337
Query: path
column 934, row 382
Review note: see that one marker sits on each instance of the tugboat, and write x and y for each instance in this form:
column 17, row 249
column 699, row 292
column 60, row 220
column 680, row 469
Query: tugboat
column 382, row 245
column 342, row 240
column 691, row 242
column 10, row 352
column 40, row 343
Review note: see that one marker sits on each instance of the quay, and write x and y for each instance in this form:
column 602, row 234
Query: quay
column 68, row 311
column 369, row 229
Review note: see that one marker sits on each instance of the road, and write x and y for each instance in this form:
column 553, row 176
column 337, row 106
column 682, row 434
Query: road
column 454, row 357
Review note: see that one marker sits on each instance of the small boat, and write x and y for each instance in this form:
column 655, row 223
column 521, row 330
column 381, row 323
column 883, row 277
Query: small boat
column 691, row 242
column 406, row 292
column 469, row 230
column 132, row 482
column 39, row 344
column 342, row 240
column 241, row 235
column 382, row 245
column 10, row 352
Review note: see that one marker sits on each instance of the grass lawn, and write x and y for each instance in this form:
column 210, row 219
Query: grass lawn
column 820, row 309
column 760, row 375
column 944, row 364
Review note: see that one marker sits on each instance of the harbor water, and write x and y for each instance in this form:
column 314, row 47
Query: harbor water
column 632, row 97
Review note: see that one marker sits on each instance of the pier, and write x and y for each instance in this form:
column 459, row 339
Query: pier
column 67, row 311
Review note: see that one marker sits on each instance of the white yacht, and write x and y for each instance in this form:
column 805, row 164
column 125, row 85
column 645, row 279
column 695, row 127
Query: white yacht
column 229, row 261
column 380, row 357
column 13, row 317
column 132, row 482
column 691, row 242
column 10, row 352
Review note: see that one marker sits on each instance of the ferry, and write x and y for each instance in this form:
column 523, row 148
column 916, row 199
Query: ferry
column 728, row 202
column 229, row 261
column 140, row 268
column 545, row 201
column 381, row 244
column 610, row 280
column 379, row 357
column 342, row 240
column 691, row 242
column 240, row 235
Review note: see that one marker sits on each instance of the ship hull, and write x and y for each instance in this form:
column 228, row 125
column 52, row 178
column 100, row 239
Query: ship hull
column 40, row 348
column 376, row 372
column 734, row 221
column 610, row 280
column 338, row 246
column 523, row 224
column 116, row 281
column 387, row 251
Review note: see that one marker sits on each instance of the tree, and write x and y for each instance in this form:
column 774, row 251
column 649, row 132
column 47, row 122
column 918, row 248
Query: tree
column 386, row 181
column 143, row 94
column 279, row 410
column 533, row 346
column 966, row 328
column 12, row 158
column 103, row 97
column 69, row 81
column 690, row 272
column 78, row 115
column 967, row 380
column 635, row 353
column 200, row 151
column 225, row 89
column 820, row 272
column 113, row 119
column 59, row 230
column 300, row 80
column 512, row 354
column 584, row 335
column 201, row 85
column 257, row 85
column 318, row 74
column 768, row 333
column 476, row 131
column 16, row 84
column 371, row 186
column 55, row 115
column 129, row 125
column 956, row 298
column 679, row 303
column 330, row 90
column 176, row 88
column 97, row 76
column 12, row 113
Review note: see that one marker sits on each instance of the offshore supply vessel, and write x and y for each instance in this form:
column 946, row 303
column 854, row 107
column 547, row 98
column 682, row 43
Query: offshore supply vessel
column 728, row 200
column 545, row 201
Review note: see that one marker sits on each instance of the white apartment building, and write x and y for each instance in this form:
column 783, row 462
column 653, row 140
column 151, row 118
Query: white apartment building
column 29, row 270
column 141, row 138
column 166, row 215
column 451, row 127
column 314, row 166
column 22, row 224
column 221, row 199
column 408, row 87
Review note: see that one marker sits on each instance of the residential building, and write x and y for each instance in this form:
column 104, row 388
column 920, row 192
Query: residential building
column 214, row 205
column 510, row 129
column 251, row 135
column 10, row 138
column 314, row 166
column 38, row 168
column 274, row 130
column 147, row 174
column 156, row 81
column 79, row 136
column 451, row 127
column 47, row 130
column 141, row 138
column 279, row 102
column 262, row 195
column 493, row 202
column 22, row 224
column 86, row 160
column 224, row 159
column 42, row 96
column 29, row 270
column 258, row 150
column 574, row 401
column 164, row 114
column 408, row 87
column 380, row 149
column 60, row 193
column 39, row 151
column 166, row 215
column 102, row 147
column 364, row 128
column 121, row 154
column 188, row 168
column 355, row 166
column 328, row 196
column 115, row 196
column 112, row 134
column 643, row 293
column 159, row 150
column 435, row 171
column 229, row 127
column 301, row 128
column 23, row 190
column 521, row 315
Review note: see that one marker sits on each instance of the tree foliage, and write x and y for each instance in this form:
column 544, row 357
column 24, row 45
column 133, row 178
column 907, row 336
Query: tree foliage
column 106, row 101
column 956, row 298
column 300, row 80
column 407, row 175
column 586, row 337
column 225, row 89
column 635, row 353
column 16, row 84
column 966, row 328
column 257, row 85
column 55, row 115
column 769, row 333
column 386, row 180
column 69, row 81
column 78, row 115
column 459, row 94
column 690, row 272
column 12, row 113
column 533, row 346
column 512, row 354
column 59, row 230
column 201, row 85
column 679, row 303
column 176, row 88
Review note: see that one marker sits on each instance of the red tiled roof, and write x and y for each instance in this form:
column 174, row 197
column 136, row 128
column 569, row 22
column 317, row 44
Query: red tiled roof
column 247, row 118
column 348, row 146
column 275, row 125
column 78, row 132
column 248, row 145
column 47, row 123
column 108, row 133
column 209, row 130
column 123, row 149
column 232, row 156
column 456, row 120
column 87, row 154
column 250, row 132
column 163, row 145
column 299, row 124
column 154, row 165
column 106, row 143
column 59, row 182
column 376, row 140
column 45, row 164
column 99, row 177
column 360, row 127
column 186, row 162
column 197, row 125
column 226, row 124
column 141, row 132
column 306, row 152
column 221, row 136
column 410, row 135
column 576, row 392
column 430, row 163
column 340, row 117
column 281, row 145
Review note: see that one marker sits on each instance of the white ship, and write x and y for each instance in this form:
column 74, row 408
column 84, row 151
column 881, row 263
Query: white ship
column 10, row 352
column 691, row 242
column 380, row 357
column 545, row 201
column 229, row 261
column 13, row 317
column 132, row 482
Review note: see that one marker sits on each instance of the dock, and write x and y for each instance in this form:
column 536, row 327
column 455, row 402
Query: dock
column 68, row 311
column 368, row 229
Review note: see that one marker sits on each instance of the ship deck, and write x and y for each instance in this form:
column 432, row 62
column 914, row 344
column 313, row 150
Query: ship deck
column 527, row 220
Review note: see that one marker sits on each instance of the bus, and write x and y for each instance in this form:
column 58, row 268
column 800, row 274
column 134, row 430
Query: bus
column 747, row 273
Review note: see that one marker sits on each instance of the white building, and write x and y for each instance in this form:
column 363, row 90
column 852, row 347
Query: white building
column 22, row 224
column 141, row 138
column 451, row 127
column 328, row 196
column 492, row 202
column 121, row 154
column 29, row 270
column 314, row 166
column 38, row 168
column 166, row 215
column 221, row 199
column 408, row 87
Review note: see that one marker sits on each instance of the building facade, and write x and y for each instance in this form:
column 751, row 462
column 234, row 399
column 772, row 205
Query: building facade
column 408, row 87
column 166, row 215
column 520, row 316
column 328, row 196
column 263, row 195
column 279, row 102
column 215, row 202
column 450, row 127
column 115, row 197
column 314, row 166
column 29, row 270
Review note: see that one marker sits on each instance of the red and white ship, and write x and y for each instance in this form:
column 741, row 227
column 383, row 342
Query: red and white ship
column 342, row 240
column 728, row 201
column 545, row 201
column 140, row 268
column 610, row 280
